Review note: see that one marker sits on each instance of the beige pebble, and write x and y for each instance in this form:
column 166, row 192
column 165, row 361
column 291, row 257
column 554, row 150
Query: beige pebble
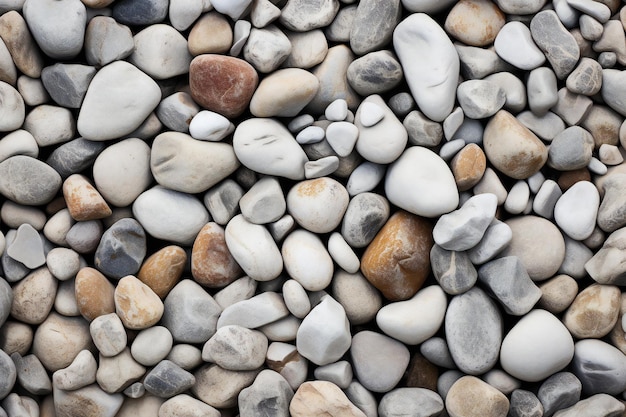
column 211, row 34
column 33, row 296
column 475, row 22
column 59, row 339
column 322, row 398
column 83, row 200
column 136, row 304
column 558, row 293
column 594, row 311
column 472, row 397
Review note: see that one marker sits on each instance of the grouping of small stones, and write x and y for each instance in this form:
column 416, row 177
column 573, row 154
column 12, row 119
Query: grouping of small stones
column 312, row 208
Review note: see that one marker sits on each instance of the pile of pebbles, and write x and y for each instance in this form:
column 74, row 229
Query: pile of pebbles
column 312, row 208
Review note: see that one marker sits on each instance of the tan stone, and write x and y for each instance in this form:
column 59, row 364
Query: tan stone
column 136, row 304
column 512, row 148
column 397, row 261
column 163, row 269
column 16, row 337
column 558, row 293
column 59, row 339
column 83, row 200
column 220, row 387
column 94, row 293
column 472, row 397
column 211, row 34
column 33, row 296
column 468, row 166
column 617, row 335
column 212, row 264
column 594, row 312
column 20, row 43
column 475, row 22
column 322, row 398
column 284, row 93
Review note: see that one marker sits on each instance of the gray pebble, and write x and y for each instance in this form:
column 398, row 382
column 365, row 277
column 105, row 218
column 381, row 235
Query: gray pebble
column 417, row 402
column 600, row 367
column 269, row 394
column 190, row 313
column 422, row 131
column 13, row 270
column 542, row 90
column 480, row 99
column 586, row 78
column 365, row 215
column 168, row 379
column 401, row 104
column 546, row 198
column 477, row 63
column 122, row 249
column 108, row 334
column 560, row 391
column 373, row 25
column 151, row 345
column 571, row 107
column 514, row 90
column 576, row 256
column 264, row 202
column 612, row 212
column 339, row 29
column 599, row 405
column 236, row 348
column 31, row 374
column 222, row 201
column 559, row 46
column 74, row 156
column 84, row 237
column 140, row 12
column 375, row 73
column 453, row 270
column 6, row 298
column 67, row 83
column 28, row 181
column 7, row 369
column 471, row 131
column 436, row 351
column 106, row 40
column 322, row 149
column 446, row 380
column 546, row 127
column 27, row 247
column 571, row 149
column 135, row 390
column 525, row 404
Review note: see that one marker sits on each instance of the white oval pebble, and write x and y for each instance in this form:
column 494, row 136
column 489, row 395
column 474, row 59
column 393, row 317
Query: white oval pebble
column 342, row 137
column 577, row 209
column 342, row 253
column 296, row 298
column 211, row 126
column 307, row 261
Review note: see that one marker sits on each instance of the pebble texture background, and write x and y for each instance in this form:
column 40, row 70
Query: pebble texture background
column 312, row 208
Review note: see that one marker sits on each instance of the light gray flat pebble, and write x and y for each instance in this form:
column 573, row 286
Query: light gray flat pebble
column 270, row 393
column 576, row 256
column 264, row 202
column 515, row 45
column 546, row 127
column 80, row 373
column 168, row 379
column 186, row 356
column 546, row 198
column 339, row 373
column 27, row 247
column 254, row 312
column 322, row 167
column 108, row 334
column 151, row 345
column 310, row 134
column 558, row 45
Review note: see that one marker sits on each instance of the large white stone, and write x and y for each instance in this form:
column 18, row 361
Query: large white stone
column 577, row 209
column 307, row 260
column 421, row 182
column 414, row 320
column 430, row 64
column 536, row 347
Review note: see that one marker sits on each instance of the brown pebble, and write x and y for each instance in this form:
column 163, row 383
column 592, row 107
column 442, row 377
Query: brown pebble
column 475, row 22
column 222, row 84
column 569, row 178
column 211, row 34
column 421, row 373
column 163, row 269
column 212, row 264
column 136, row 304
column 83, row 200
column 94, row 293
column 397, row 261
column 468, row 166
column 20, row 43
column 558, row 293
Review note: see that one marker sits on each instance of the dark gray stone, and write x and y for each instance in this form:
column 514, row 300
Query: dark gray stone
column 507, row 279
column 560, row 391
column 67, row 83
column 558, row 45
column 415, row 402
column 524, row 404
column 168, row 379
column 140, row 12
column 269, row 395
column 190, row 313
column 122, row 249
column 612, row 212
column 9, row 374
column 6, row 298
column 453, row 270
column 373, row 25
column 74, row 156
column 571, row 149
column 364, row 217
column 473, row 327
column 28, row 181
column 31, row 374
column 375, row 73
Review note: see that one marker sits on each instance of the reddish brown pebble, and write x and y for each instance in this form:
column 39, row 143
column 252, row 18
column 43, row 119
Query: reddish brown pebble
column 222, row 84
column 94, row 294
column 468, row 166
column 569, row 178
column 212, row 264
column 83, row 200
column 397, row 261
column 163, row 269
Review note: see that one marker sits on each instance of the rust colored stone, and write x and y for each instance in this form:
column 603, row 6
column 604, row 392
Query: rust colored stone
column 163, row 269
column 94, row 294
column 222, row 84
column 468, row 166
column 83, row 200
column 212, row 264
column 397, row 261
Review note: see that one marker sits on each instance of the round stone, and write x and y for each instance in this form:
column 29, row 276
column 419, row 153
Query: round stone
column 94, row 293
column 471, row 397
column 474, row 22
column 594, row 312
column 212, row 265
column 58, row 340
column 318, row 205
column 136, row 304
column 284, row 93
column 307, row 260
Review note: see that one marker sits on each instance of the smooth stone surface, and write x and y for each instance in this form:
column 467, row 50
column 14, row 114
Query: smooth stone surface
column 515, row 45
column 161, row 52
column 266, row 48
column 558, row 45
column 358, row 297
column 26, row 180
column 423, row 49
column 269, row 394
column 558, row 293
column 94, row 293
column 108, row 334
column 471, row 397
column 318, row 204
column 58, row 340
column 183, row 403
column 375, row 73
column 571, row 149
column 284, row 93
column 122, row 249
column 27, row 247
column 605, row 265
column 91, row 397
column 117, row 373
column 576, row 210
column 525, row 404
column 536, row 347
column 236, row 348
column 364, row 217
column 33, row 297
column 118, row 100
column 106, row 41
column 306, row 260
column 453, row 271
column 473, row 327
column 599, row 404
column 314, row 398
column 599, row 366
column 480, row 99
column 167, row 380
column 151, row 345
column 254, row 312
column 67, row 83
column 560, row 391
column 136, row 304
column 432, row 188
column 410, row 401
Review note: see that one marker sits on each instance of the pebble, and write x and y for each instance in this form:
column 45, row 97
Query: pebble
column 322, row 397
column 122, row 249
column 318, row 205
column 123, row 95
column 16, row 337
column 31, row 374
column 411, row 401
column 380, row 266
column 541, row 261
column 562, row 390
column 27, row 247
column 525, row 404
column 33, row 296
column 9, row 371
column 360, row 299
column 453, row 270
column 474, row 22
column 161, row 52
column 106, row 41
column 375, row 73
column 599, row 301
column 67, row 83
column 604, row 267
column 301, row 250
column 542, row 90
column 576, row 210
column 421, row 130
column 473, row 331
column 108, row 334
column 364, row 178
column 269, row 393
column 468, row 166
column 369, row 145
column 433, row 90
column 266, row 48
column 610, row 217
column 190, row 313
column 284, row 93
column 254, row 312
column 462, row 229
column 145, row 12
column 599, row 366
column 546, row 127
column 186, row 356
column 515, row 36
column 91, row 397
column 239, row 290
column 518, row 154
column 210, row 126
column 236, row 348
column 558, row 293
column 163, row 269
column 547, row 32
column 427, row 307
column 136, row 304
column 20, row 43
column 58, row 340
column 328, row 343
column 471, row 397
column 26, row 180
column 116, row 373
column 433, row 190
column 365, row 216
column 151, row 345
column 167, row 380
column 183, row 403
column 94, row 293
column 538, row 332
column 212, row 34
column 599, row 404
column 219, row 387
column 571, row 149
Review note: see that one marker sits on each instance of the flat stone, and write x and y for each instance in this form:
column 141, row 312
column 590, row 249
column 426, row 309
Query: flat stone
column 515, row 45
column 422, row 131
column 227, row 95
column 412, row 401
column 121, row 92
column 26, row 180
column 108, row 334
column 254, row 312
column 27, row 247
column 67, row 83
column 558, row 45
column 546, row 127
column 599, row 366
column 596, row 405
column 514, row 90
column 453, row 271
column 433, row 90
column 473, row 327
column 284, row 93
column 31, row 374
column 536, row 347
column 433, row 190
column 302, row 16
column 471, row 397
column 373, row 25
column 381, row 267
